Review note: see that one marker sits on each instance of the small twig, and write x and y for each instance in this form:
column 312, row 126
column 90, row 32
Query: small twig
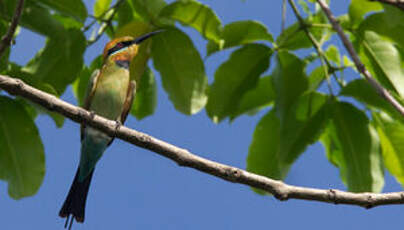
column 106, row 22
column 185, row 158
column 7, row 38
column 283, row 15
column 325, row 63
column 359, row 65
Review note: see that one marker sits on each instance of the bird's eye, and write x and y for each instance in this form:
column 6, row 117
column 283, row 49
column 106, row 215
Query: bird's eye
column 119, row 45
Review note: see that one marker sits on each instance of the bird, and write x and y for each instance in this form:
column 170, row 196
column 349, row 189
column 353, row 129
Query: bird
column 110, row 94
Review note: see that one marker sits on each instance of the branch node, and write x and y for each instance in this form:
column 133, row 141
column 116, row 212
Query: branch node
column 118, row 125
column 370, row 202
column 145, row 139
column 281, row 193
column 332, row 195
column 19, row 84
column 233, row 174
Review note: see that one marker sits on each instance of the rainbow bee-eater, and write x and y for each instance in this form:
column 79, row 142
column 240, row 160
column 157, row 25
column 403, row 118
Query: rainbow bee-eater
column 110, row 93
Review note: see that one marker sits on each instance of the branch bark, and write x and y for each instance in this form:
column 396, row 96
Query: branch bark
column 397, row 3
column 6, row 39
column 184, row 158
column 358, row 63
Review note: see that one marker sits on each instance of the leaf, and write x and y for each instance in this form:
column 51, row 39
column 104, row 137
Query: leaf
column 383, row 60
column 182, row 70
column 256, row 98
column 384, row 25
column 194, row 14
column 100, row 7
column 391, row 134
column 239, row 33
column 60, row 62
column 289, row 81
column 146, row 97
column 294, row 37
column 359, row 158
column 302, row 125
column 234, row 78
column 263, row 154
column 22, row 160
column 74, row 8
column 16, row 71
column 304, row 6
column 362, row 91
column 126, row 14
column 5, row 55
column 316, row 77
column 359, row 8
column 34, row 17
column 148, row 9
column 332, row 54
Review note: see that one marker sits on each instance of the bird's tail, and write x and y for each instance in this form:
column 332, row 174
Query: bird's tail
column 75, row 202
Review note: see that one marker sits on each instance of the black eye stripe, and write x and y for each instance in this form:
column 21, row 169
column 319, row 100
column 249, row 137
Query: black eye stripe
column 119, row 46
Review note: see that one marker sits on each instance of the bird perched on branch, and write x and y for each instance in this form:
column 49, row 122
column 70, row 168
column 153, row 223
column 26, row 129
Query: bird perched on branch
column 109, row 94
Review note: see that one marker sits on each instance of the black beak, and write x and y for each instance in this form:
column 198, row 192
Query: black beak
column 140, row 39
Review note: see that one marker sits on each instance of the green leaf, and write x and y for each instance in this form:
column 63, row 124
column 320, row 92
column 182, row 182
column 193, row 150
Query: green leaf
column 383, row 60
column 240, row 33
column 234, row 78
column 126, row 14
column 302, row 125
column 68, row 22
column 81, row 83
column 391, row 134
column 362, row 91
column 60, row 62
column 294, row 37
column 16, row 71
column 304, row 6
column 6, row 54
column 332, row 54
column 148, row 9
column 74, row 8
column 359, row 8
column 22, row 160
column 34, row 17
column 359, row 158
column 182, row 70
column 384, row 25
column 289, row 80
column 316, row 77
column 101, row 6
column 196, row 15
column 263, row 154
column 146, row 97
column 257, row 98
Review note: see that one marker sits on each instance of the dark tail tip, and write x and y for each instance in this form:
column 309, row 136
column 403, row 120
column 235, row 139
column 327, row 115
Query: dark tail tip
column 75, row 203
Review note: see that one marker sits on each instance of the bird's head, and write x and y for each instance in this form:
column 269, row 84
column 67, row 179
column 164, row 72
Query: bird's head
column 125, row 48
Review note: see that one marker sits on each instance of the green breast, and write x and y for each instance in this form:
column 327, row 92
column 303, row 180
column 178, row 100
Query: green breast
column 111, row 92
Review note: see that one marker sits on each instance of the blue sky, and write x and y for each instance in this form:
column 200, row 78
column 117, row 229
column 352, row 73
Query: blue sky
column 136, row 189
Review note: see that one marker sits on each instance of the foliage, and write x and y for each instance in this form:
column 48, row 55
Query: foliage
column 361, row 132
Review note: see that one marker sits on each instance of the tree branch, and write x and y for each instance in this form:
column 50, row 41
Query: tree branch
column 397, row 3
column 6, row 39
column 184, row 158
column 359, row 65
column 105, row 23
column 325, row 63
